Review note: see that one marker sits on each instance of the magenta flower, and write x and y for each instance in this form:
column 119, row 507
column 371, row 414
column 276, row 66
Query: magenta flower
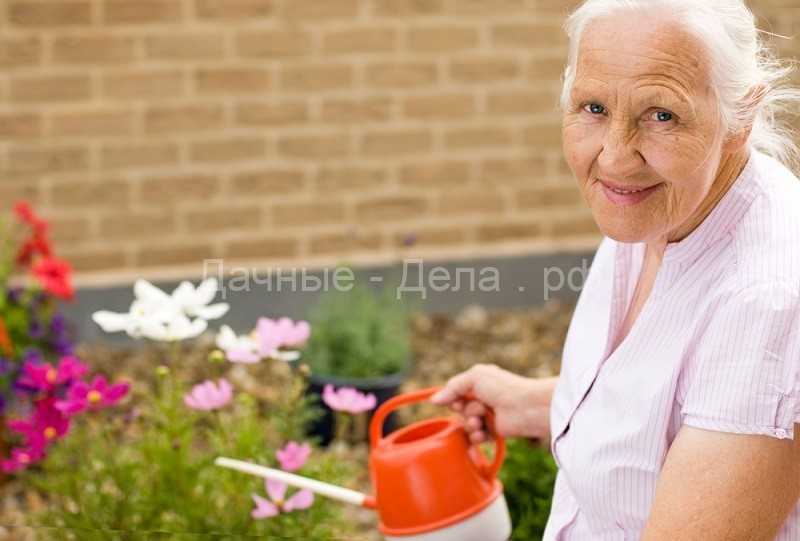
column 46, row 377
column 276, row 490
column 348, row 399
column 293, row 456
column 209, row 396
column 21, row 458
column 44, row 426
column 99, row 394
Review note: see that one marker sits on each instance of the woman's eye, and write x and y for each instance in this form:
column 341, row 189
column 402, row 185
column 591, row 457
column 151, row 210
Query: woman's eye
column 662, row 116
column 594, row 108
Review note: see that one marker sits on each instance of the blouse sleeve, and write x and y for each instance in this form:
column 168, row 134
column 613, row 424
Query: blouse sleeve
column 744, row 377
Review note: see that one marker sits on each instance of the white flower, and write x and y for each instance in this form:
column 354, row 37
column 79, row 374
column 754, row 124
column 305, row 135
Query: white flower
column 178, row 328
column 156, row 315
column 195, row 302
column 238, row 349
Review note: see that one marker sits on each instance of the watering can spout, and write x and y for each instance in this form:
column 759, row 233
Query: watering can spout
column 323, row 489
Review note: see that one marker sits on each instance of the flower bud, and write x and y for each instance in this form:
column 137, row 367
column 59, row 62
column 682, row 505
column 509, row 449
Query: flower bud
column 217, row 356
column 162, row 371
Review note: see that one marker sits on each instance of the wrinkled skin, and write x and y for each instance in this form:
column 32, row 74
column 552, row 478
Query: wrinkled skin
column 642, row 112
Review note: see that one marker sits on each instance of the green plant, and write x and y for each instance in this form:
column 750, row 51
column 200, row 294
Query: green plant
column 150, row 472
column 528, row 477
column 359, row 333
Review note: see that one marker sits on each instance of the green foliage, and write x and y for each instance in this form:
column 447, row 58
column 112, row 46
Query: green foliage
column 528, row 477
column 359, row 333
column 141, row 476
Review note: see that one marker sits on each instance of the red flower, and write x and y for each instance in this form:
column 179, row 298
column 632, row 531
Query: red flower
column 5, row 340
column 26, row 215
column 54, row 275
column 37, row 244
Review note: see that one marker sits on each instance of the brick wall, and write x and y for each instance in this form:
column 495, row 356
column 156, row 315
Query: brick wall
column 157, row 133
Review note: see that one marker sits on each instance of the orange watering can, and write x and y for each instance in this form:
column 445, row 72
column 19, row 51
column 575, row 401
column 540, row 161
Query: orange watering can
column 431, row 483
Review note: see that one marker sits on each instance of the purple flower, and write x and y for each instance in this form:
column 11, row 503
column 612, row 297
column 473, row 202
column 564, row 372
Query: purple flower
column 46, row 377
column 14, row 294
column 35, row 329
column 99, row 394
column 293, row 456
column 209, row 396
column 21, row 458
column 44, row 426
column 348, row 399
column 63, row 347
column 276, row 504
column 58, row 324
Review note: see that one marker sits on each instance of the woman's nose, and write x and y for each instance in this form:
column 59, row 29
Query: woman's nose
column 620, row 155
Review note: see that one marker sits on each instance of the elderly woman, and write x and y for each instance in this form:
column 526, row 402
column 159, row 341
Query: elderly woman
column 674, row 414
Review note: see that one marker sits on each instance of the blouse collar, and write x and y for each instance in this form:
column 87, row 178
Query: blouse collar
column 722, row 218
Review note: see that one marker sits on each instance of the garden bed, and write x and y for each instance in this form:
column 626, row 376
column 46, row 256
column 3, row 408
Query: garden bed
column 527, row 342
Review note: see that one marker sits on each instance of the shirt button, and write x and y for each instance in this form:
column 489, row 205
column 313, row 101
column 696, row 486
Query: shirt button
column 781, row 433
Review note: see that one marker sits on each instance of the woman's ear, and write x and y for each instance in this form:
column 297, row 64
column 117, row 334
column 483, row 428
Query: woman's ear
column 747, row 111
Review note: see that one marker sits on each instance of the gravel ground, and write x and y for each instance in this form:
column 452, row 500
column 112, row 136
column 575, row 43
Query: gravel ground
column 527, row 342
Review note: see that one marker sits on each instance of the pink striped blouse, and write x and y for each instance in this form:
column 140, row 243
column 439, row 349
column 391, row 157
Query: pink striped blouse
column 716, row 346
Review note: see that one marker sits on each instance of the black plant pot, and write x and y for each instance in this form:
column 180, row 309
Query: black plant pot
column 383, row 388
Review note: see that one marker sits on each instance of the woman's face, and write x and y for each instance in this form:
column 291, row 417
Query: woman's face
column 641, row 132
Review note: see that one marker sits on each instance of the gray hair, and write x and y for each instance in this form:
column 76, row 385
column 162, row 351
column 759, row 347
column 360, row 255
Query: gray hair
column 742, row 62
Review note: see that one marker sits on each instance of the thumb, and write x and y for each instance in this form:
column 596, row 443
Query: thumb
column 456, row 387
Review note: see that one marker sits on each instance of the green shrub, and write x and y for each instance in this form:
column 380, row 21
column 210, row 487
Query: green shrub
column 359, row 333
column 528, row 477
column 150, row 474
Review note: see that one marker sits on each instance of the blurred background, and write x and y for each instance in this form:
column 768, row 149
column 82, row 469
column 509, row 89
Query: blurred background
column 155, row 134
column 176, row 139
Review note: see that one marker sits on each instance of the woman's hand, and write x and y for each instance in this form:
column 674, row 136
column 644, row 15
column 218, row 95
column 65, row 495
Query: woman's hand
column 521, row 405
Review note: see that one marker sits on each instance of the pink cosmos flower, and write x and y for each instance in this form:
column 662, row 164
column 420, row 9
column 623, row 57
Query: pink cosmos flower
column 293, row 456
column 21, row 458
column 99, row 394
column 282, row 332
column 46, row 377
column 348, row 399
column 209, row 396
column 276, row 504
column 44, row 426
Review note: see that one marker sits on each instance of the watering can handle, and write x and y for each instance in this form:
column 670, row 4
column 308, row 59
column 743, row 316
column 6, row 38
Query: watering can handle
column 488, row 470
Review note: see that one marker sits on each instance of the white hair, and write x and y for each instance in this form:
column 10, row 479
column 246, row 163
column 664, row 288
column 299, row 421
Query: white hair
column 742, row 63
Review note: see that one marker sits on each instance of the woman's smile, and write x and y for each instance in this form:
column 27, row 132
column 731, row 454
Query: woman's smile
column 626, row 195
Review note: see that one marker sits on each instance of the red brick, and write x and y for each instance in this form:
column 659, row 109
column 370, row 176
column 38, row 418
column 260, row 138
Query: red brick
column 391, row 208
column 143, row 84
column 183, row 118
column 46, row 160
column 266, row 183
column 235, row 9
column 96, row 49
column 273, row 43
column 271, row 113
column 20, row 125
column 174, row 189
column 233, row 80
column 138, row 155
column 50, row 88
column 180, row 253
column 16, row 52
column 141, row 11
column 29, row 13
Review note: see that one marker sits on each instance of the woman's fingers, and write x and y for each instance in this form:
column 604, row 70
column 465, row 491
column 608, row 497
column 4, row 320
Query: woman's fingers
column 456, row 387
column 474, row 423
column 474, row 408
column 478, row 436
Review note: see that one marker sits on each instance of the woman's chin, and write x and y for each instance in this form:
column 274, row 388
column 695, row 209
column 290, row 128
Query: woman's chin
column 622, row 232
